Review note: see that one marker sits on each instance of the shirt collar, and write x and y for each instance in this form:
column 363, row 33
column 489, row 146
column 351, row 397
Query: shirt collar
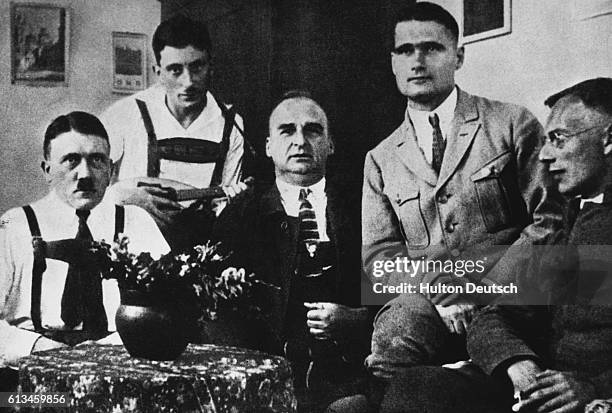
column 291, row 193
column 445, row 111
column 595, row 200
column 62, row 209
column 210, row 112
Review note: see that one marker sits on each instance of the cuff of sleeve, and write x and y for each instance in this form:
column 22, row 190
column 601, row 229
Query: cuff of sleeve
column 16, row 343
column 500, row 369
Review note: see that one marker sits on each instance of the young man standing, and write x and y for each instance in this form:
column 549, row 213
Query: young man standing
column 174, row 135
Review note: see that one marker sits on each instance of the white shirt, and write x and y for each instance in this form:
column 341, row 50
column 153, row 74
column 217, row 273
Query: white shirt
column 290, row 195
column 424, row 130
column 57, row 220
column 129, row 140
column 596, row 200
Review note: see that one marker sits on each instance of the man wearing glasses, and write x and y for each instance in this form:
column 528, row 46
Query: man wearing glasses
column 174, row 135
column 576, row 365
column 457, row 180
column 553, row 358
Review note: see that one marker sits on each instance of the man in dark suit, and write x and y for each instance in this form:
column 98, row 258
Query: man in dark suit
column 573, row 364
column 457, row 180
column 301, row 236
column 555, row 358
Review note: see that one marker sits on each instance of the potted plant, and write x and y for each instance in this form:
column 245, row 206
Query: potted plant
column 164, row 301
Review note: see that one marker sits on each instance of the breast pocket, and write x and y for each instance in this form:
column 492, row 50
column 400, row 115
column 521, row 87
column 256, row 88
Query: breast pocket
column 492, row 196
column 411, row 219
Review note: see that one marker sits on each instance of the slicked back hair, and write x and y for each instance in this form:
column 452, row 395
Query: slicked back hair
column 81, row 122
column 594, row 93
column 180, row 32
column 299, row 94
column 424, row 12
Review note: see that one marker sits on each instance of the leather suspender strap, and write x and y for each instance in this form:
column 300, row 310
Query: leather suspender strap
column 40, row 264
column 217, row 176
column 119, row 221
column 38, row 268
column 152, row 158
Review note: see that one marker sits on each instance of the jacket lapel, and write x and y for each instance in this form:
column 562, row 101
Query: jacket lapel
column 339, row 229
column 464, row 127
column 283, row 240
column 409, row 152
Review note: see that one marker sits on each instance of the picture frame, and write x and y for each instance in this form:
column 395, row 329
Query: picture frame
column 484, row 19
column 584, row 10
column 40, row 44
column 129, row 62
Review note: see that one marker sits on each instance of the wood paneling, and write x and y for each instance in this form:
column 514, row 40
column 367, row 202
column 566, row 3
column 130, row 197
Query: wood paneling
column 337, row 49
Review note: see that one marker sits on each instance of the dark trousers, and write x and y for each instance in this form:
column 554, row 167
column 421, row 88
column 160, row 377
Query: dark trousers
column 409, row 332
column 435, row 389
column 430, row 389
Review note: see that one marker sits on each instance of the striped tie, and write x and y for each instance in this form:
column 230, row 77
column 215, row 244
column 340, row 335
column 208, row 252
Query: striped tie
column 309, row 231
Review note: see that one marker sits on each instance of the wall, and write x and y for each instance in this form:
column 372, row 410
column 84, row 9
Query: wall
column 26, row 111
column 551, row 47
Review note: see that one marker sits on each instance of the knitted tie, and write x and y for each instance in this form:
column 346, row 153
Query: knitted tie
column 309, row 230
column 438, row 143
column 82, row 297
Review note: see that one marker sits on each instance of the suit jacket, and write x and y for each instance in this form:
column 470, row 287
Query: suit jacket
column 258, row 232
column 574, row 338
column 491, row 191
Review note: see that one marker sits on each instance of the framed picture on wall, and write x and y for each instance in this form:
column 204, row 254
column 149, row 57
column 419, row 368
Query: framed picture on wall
column 129, row 62
column 40, row 43
column 483, row 19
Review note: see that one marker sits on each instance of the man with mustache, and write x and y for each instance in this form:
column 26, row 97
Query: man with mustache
column 50, row 297
column 302, row 235
column 174, row 135
column 457, row 178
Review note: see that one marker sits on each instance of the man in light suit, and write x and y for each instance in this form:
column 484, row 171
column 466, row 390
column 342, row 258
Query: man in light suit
column 459, row 178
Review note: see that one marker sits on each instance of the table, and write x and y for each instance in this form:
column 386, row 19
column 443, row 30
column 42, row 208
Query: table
column 205, row 378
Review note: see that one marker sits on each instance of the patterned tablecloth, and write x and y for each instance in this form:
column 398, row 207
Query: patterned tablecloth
column 205, row 378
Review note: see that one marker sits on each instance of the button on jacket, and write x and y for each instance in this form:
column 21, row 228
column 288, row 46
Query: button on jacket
column 491, row 190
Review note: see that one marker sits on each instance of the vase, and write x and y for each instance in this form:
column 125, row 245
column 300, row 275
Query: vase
column 152, row 326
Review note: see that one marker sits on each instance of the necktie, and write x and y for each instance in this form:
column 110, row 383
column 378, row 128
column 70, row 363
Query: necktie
column 309, row 231
column 438, row 144
column 82, row 297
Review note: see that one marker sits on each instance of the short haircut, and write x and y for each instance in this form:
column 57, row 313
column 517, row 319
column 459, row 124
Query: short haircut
column 425, row 12
column 81, row 122
column 594, row 93
column 180, row 31
column 298, row 94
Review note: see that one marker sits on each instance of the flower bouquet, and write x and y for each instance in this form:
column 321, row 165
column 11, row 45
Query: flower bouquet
column 167, row 302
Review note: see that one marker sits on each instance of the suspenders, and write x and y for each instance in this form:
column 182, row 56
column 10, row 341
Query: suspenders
column 38, row 268
column 153, row 158
column 40, row 264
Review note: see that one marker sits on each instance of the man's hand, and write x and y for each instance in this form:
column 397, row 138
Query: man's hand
column 155, row 195
column 44, row 343
column 558, row 392
column 236, row 191
column 457, row 317
column 333, row 321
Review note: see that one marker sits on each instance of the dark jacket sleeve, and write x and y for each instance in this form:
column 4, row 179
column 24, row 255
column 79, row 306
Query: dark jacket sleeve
column 544, row 203
column 500, row 335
